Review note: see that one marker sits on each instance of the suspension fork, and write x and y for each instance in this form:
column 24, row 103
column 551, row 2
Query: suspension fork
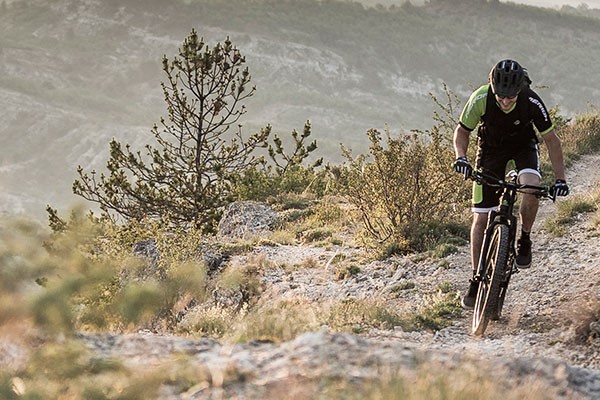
column 504, row 215
column 506, row 211
column 495, row 218
column 487, row 237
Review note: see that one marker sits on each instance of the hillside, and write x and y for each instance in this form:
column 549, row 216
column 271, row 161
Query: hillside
column 76, row 73
column 545, row 346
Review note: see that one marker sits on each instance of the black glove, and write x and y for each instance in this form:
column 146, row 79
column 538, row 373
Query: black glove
column 560, row 188
column 462, row 166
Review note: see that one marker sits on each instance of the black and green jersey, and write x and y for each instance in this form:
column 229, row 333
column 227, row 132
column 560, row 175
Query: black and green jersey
column 500, row 128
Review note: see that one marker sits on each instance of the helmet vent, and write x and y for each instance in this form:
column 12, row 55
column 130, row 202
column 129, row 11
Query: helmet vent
column 507, row 78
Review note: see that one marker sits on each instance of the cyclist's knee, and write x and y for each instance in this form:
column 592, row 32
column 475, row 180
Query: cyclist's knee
column 479, row 221
column 529, row 177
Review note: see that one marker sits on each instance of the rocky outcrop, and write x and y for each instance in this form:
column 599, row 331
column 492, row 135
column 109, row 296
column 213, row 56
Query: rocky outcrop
column 245, row 219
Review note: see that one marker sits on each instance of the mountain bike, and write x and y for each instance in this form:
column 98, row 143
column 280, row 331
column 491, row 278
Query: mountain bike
column 497, row 260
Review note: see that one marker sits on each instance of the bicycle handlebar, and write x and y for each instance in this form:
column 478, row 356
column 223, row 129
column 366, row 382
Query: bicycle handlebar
column 490, row 180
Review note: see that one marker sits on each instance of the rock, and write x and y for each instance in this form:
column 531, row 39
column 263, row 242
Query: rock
column 245, row 219
column 229, row 298
column 146, row 249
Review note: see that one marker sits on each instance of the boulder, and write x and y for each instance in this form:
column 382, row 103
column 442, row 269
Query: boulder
column 244, row 219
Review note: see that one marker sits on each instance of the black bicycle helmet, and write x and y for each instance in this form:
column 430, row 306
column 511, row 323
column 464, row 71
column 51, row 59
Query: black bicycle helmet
column 507, row 78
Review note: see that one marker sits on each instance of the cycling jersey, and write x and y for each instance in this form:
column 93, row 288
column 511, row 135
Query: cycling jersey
column 498, row 128
column 504, row 136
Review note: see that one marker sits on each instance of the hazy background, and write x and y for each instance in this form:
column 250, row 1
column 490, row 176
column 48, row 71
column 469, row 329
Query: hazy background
column 558, row 3
column 76, row 73
column 537, row 3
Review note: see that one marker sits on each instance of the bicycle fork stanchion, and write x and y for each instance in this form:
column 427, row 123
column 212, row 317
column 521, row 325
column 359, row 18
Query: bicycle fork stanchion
column 507, row 218
column 480, row 276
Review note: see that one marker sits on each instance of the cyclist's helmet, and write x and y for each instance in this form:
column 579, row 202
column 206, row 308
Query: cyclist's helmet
column 507, row 78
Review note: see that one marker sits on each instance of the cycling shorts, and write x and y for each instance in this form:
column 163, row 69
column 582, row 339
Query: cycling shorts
column 494, row 160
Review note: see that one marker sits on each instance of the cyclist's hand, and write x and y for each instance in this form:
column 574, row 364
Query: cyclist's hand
column 560, row 188
column 462, row 166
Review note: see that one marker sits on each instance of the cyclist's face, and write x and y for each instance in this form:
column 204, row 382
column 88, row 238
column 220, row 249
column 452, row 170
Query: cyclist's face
column 506, row 103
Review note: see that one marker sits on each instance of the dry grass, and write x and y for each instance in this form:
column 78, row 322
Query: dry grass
column 428, row 380
column 583, row 315
column 567, row 212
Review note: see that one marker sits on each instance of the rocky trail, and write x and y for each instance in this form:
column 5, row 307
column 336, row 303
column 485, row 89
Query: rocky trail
column 542, row 342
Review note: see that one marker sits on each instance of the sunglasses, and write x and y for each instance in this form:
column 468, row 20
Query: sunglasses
column 506, row 97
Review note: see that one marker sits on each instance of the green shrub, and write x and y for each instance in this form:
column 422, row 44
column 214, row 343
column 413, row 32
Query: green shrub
column 444, row 249
column 209, row 321
column 279, row 321
column 324, row 221
column 316, row 235
column 347, row 271
column 402, row 189
column 582, row 135
column 402, row 286
column 437, row 311
column 358, row 315
column 285, row 173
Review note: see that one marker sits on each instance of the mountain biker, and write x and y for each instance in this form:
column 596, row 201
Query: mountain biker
column 506, row 110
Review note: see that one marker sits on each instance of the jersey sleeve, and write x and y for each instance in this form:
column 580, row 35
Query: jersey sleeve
column 474, row 109
column 541, row 117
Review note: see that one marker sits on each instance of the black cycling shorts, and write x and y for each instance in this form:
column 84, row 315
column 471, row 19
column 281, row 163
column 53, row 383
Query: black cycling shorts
column 494, row 160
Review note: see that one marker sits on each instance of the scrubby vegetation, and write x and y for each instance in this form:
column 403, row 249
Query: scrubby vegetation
column 200, row 164
column 355, row 67
column 407, row 197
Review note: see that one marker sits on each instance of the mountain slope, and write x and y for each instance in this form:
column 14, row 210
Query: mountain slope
column 75, row 73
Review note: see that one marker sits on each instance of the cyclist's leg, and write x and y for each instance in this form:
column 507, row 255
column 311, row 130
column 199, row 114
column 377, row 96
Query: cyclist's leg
column 528, row 165
column 477, row 230
column 527, row 162
column 529, row 203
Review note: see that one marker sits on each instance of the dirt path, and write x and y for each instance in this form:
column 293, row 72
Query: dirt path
column 547, row 305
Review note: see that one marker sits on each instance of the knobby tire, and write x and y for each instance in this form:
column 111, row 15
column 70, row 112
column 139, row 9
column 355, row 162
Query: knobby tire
column 496, row 258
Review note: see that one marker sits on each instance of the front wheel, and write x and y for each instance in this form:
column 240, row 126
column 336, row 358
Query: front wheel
column 495, row 257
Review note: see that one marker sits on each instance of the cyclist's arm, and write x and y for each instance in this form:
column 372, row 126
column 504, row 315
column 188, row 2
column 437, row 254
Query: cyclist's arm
column 461, row 141
column 469, row 118
column 555, row 153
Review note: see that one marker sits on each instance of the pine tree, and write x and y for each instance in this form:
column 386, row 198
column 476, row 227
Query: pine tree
column 188, row 177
